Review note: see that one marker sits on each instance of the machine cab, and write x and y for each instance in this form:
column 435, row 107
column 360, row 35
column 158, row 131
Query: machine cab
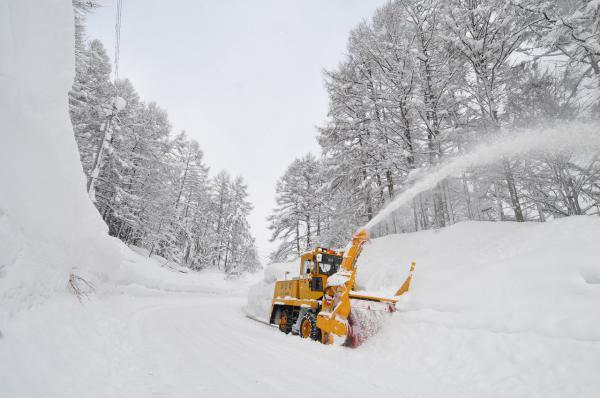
column 319, row 264
column 296, row 296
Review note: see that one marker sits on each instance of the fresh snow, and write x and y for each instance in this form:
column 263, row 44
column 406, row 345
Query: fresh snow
column 119, row 103
column 496, row 309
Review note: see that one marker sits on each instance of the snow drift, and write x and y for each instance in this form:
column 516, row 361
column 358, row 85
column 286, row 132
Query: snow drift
column 260, row 295
column 506, row 277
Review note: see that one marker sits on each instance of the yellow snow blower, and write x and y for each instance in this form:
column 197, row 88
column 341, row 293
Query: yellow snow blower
column 321, row 302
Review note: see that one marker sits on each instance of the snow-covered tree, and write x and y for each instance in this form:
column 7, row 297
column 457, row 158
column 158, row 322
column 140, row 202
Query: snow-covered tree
column 425, row 81
column 152, row 189
column 298, row 220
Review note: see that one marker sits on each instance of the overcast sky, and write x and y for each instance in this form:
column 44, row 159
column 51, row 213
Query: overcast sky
column 242, row 77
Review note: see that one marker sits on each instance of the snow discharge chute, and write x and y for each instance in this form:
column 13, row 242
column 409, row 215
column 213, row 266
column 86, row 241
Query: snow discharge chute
column 321, row 303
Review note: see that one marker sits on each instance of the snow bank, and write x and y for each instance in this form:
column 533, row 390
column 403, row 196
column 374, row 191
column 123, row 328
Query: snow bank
column 505, row 277
column 48, row 226
column 140, row 276
column 261, row 293
column 49, row 229
column 509, row 277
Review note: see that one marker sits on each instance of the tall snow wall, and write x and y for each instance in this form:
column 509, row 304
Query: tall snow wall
column 48, row 225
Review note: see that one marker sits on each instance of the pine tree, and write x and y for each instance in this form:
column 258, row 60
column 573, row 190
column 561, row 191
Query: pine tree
column 298, row 220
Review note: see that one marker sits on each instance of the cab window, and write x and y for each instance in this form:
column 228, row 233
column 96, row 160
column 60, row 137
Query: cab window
column 307, row 267
column 329, row 264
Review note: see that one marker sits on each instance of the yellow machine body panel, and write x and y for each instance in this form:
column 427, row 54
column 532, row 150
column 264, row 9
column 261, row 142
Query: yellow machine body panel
column 286, row 289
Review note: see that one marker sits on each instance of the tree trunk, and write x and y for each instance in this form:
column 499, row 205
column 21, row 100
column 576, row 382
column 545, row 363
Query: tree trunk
column 540, row 211
column 467, row 197
column 449, row 208
column 498, row 202
column 390, row 184
column 308, row 240
column 298, row 237
column 415, row 214
column 512, row 190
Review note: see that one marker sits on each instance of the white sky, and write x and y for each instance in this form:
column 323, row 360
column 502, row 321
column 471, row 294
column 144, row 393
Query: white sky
column 243, row 78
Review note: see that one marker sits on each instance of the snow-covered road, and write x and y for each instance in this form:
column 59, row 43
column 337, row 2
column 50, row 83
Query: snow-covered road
column 205, row 346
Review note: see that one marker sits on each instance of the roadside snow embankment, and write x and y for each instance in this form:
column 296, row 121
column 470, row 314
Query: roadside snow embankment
column 49, row 228
column 504, row 277
column 260, row 294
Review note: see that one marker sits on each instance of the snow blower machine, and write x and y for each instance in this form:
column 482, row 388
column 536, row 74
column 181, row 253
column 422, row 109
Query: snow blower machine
column 321, row 302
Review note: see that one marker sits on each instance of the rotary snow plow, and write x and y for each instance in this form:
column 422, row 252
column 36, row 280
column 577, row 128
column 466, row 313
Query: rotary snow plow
column 321, row 303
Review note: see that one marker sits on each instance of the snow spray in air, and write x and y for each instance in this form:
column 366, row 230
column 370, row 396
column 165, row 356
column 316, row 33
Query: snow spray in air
column 571, row 137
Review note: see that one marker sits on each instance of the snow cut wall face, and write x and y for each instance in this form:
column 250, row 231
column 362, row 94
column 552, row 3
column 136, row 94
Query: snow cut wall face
column 48, row 226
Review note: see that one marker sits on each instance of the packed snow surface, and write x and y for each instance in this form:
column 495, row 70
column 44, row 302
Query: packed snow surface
column 498, row 310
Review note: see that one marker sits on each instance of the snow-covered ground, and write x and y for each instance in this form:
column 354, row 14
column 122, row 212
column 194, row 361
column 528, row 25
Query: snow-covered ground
column 498, row 310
